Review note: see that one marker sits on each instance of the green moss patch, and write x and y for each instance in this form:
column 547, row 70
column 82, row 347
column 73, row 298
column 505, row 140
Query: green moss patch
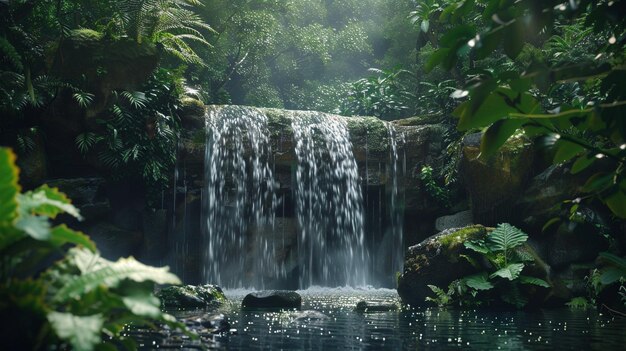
column 453, row 240
column 419, row 120
column 371, row 129
column 191, row 296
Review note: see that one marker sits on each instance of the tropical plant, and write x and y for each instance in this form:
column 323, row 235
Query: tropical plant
column 441, row 194
column 504, row 251
column 383, row 94
column 442, row 297
column 612, row 273
column 172, row 23
column 579, row 302
column 434, row 98
column 425, row 11
column 82, row 301
column 503, row 101
column 140, row 135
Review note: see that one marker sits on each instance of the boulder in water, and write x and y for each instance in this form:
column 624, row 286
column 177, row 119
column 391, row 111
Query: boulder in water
column 272, row 299
column 366, row 306
column 209, row 323
column 436, row 261
column 191, row 296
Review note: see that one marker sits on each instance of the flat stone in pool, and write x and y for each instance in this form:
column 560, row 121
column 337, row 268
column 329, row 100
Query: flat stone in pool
column 272, row 299
column 365, row 306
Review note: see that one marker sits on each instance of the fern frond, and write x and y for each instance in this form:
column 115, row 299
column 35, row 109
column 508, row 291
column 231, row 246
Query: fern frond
column 505, row 237
column 136, row 98
column 10, row 53
column 108, row 158
column 25, row 143
column 86, row 142
column 180, row 49
column 84, row 99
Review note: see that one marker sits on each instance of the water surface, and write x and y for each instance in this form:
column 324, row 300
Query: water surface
column 423, row 329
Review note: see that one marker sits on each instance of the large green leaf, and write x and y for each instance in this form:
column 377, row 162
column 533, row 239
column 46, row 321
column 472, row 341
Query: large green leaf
column 476, row 246
column 48, row 202
column 497, row 134
column 566, row 150
column 141, row 302
column 436, row 58
column 505, row 237
column 614, row 260
column 510, row 272
column 97, row 271
column 524, row 279
column 82, row 332
column 617, row 203
column 36, row 227
column 478, row 281
column 582, row 163
column 61, row 235
column 8, row 186
column 611, row 275
column 497, row 105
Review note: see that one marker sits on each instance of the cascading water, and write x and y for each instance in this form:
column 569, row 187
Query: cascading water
column 329, row 202
column 310, row 229
column 239, row 195
column 396, row 212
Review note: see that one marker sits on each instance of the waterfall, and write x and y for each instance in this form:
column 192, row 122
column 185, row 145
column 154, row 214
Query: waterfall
column 288, row 210
column 396, row 212
column 239, row 196
column 329, row 202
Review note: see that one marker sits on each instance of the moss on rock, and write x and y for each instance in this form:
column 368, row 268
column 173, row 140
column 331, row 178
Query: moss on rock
column 436, row 261
column 419, row 120
column 191, row 296
column 85, row 34
column 452, row 240
column 278, row 120
column 371, row 130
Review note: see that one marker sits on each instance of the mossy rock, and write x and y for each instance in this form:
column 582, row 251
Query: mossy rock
column 192, row 114
column 437, row 261
column 85, row 35
column 191, row 296
column 419, row 120
column 370, row 131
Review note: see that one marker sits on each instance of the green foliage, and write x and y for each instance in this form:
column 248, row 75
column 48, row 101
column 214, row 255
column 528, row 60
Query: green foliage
column 383, row 95
column 561, row 79
column 442, row 298
column 503, row 248
column 580, row 303
column 611, row 273
column 440, row 194
column 297, row 54
column 138, row 139
column 173, row 24
column 80, row 298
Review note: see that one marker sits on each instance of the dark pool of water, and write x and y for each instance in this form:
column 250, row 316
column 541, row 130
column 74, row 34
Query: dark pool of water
column 424, row 329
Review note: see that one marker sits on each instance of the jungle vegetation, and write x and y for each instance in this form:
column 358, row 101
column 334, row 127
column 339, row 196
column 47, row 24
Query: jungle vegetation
column 551, row 70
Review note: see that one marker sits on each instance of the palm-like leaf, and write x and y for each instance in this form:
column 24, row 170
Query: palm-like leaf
column 170, row 23
column 510, row 272
column 504, row 238
column 96, row 271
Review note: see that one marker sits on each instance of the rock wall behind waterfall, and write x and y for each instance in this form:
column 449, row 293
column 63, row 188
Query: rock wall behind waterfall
column 379, row 172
